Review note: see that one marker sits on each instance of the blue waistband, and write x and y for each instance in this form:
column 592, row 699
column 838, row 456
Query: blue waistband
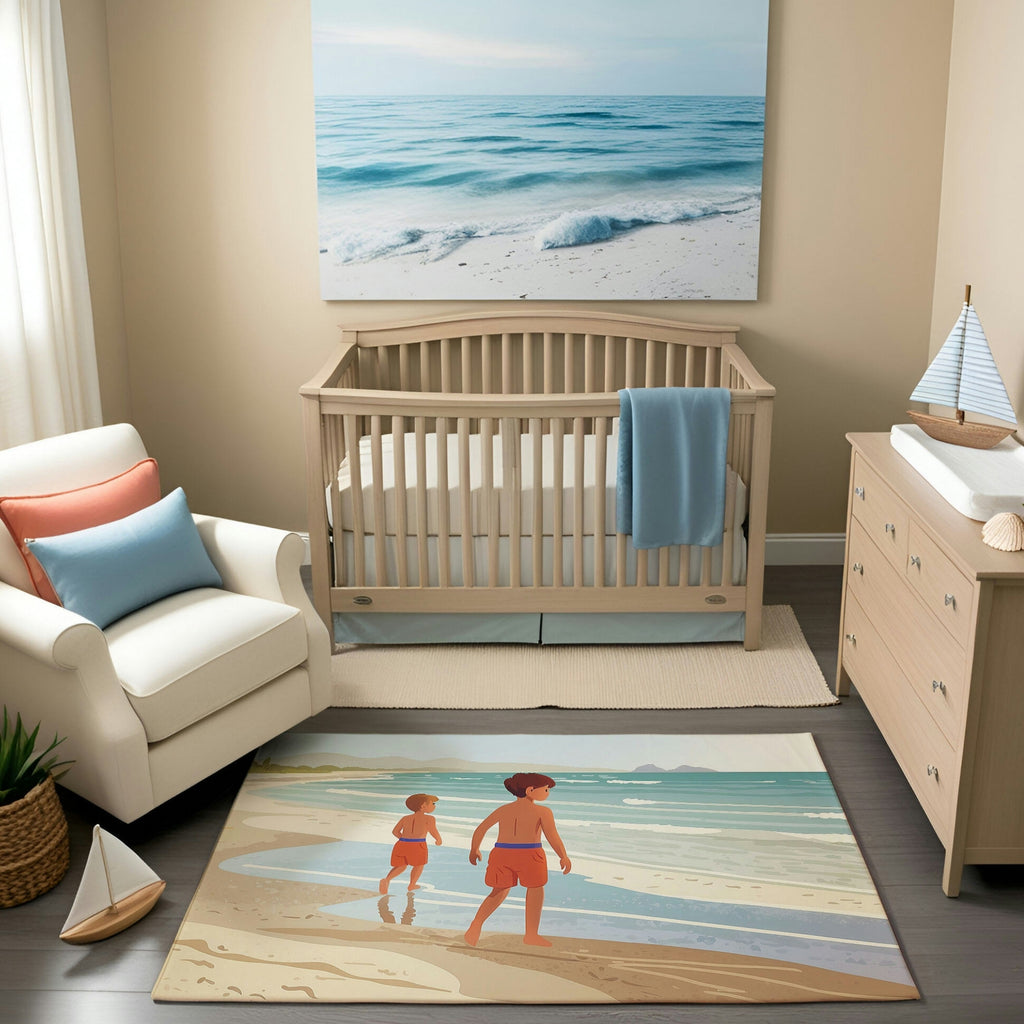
column 401, row 840
column 517, row 846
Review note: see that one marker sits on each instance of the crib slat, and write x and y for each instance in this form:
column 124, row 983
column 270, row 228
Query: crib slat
column 424, row 366
column 446, row 365
column 684, row 565
column 486, row 365
column 705, row 567
column 577, row 503
column 443, row 503
column 491, row 510
column 600, row 497
column 383, row 370
column 549, row 364
column 506, row 364
column 466, row 354
column 568, row 385
column 620, row 559
column 710, row 367
column 663, row 554
column 728, row 533
column 527, row 363
column 466, row 491
column 379, row 525
column 609, row 363
column 649, row 364
column 403, row 367
column 537, row 447
column 356, row 491
column 401, row 515
column 641, row 567
column 336, row 445
column 588, row 364
column 423, row 564
column 558, row 480
column 512, row 486
column 670, row 366
column 691, row 358
column 631, row 362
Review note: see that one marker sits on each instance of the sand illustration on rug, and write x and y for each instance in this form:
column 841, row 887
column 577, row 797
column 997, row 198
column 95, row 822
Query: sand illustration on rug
column 536, row 869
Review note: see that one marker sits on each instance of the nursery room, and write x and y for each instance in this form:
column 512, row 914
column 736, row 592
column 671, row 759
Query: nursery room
column 508, row 513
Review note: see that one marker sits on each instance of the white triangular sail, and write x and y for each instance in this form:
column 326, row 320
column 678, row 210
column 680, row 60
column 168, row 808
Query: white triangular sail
column 963, row 375
column 126, row 870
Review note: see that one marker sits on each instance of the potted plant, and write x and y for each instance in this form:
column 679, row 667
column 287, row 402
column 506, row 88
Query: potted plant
column 33, row 828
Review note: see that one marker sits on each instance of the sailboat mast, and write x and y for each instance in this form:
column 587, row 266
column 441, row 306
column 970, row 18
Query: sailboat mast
column 963, row 336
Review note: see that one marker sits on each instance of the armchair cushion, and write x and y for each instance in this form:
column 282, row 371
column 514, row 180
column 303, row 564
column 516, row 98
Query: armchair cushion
column 107, row 571
column 47, row 515
column 189, row 655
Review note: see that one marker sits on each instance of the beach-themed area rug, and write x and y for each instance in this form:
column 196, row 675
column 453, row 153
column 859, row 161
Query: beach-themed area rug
column 536, row 869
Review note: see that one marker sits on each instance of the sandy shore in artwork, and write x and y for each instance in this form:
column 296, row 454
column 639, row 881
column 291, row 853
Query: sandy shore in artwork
column 332, row 824
column 247, row 938
column 710, row 258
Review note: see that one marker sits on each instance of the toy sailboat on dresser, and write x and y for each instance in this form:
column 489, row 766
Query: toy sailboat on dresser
column 963, row 376
column 117, row 889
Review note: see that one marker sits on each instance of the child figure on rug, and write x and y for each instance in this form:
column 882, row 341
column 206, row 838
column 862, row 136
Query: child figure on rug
column 411, row 833
column 518, row 855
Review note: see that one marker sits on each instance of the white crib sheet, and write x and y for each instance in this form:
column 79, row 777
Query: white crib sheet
column 479, row 498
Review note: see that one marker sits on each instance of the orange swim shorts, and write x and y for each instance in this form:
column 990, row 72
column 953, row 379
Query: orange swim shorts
column 409, row 853
column 508, row 866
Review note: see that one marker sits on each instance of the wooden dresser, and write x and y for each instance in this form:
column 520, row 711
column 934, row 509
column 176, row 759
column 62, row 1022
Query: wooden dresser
column 932, row 636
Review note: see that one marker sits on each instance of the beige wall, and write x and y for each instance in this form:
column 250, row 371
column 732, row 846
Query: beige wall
column 212, row 115
column 981, row 225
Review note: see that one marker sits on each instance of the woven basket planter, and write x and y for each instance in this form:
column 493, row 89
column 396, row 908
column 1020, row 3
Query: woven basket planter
column 33, row 845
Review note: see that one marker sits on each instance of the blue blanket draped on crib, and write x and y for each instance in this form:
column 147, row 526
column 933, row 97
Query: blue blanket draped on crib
column 670, row 484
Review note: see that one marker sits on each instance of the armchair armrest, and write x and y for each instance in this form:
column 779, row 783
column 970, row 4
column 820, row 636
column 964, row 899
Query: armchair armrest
column 255, row 560
column 47, row 632
column 263, row 562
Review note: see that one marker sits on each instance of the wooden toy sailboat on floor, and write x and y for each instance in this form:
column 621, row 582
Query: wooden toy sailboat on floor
column 963, row 376
column 117, row 889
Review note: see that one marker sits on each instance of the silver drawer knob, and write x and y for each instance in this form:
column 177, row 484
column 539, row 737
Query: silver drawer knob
column 890, row 528
column 938, row 686
column 951, row 600
column 857, row 567
column 932, row 770
column 915, row 560
column 852, row 637
column 859, row 491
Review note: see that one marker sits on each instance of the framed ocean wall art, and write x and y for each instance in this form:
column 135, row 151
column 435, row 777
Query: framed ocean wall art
column 579, row 150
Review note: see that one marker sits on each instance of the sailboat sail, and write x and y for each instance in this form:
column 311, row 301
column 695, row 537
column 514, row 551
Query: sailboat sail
column 126, row 871
column 964, row 375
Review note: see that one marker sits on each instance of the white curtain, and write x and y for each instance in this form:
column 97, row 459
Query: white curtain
column 48, row 379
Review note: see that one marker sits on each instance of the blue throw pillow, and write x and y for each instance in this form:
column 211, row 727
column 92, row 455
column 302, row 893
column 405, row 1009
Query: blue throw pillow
column 105, row 572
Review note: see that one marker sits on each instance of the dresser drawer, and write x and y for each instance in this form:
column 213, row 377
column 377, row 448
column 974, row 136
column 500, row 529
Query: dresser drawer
column 917, row 743
column 934, row 663
column 942, row 586
column 882, row 514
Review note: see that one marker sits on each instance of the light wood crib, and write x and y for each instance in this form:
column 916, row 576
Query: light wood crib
column 466, row 464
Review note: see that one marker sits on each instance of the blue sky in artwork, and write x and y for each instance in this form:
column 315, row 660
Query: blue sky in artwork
column 535, row 47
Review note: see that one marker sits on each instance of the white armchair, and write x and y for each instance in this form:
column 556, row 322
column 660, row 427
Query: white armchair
column 176, row 690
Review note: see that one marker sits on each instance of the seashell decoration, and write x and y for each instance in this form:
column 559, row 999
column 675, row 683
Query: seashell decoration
column 1004, row 531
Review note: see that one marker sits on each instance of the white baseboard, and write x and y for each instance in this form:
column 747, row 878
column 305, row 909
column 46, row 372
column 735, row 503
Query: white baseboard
column 780, row 548
column 805, row 549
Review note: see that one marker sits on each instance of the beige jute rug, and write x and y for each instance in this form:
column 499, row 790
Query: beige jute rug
column 783, row 673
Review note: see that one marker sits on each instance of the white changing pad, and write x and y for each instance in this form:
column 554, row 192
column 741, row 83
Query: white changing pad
column 978, row 483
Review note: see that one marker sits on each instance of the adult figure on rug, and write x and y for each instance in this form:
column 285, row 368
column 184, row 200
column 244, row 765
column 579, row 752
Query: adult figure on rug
column 517, row 857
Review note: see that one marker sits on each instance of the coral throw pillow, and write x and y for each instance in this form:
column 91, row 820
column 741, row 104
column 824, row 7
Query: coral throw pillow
column 50, row 515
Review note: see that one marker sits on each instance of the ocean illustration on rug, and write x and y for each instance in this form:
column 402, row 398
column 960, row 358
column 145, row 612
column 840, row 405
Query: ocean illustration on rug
column 539, row 151
column 536, row 869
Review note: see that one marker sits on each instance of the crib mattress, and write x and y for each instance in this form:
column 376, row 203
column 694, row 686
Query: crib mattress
column 483, row 504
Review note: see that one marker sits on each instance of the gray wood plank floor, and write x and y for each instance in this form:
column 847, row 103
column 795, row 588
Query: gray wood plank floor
column 967, row 954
